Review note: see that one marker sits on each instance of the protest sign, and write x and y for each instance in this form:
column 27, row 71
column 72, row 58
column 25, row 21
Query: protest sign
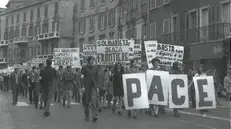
column 168, row 54
column 89, row 50
column 157, row 86
column 67, row 57
column 138, row 90
column 205, row 92
column 178, row 91
column 112, row 51
column 135, row 91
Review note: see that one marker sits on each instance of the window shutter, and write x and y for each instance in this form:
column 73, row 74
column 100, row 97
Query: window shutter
column 99, row 22
column 105, row 21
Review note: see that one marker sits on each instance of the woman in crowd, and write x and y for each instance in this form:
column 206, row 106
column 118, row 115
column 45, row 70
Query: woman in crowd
column 175, row 70
column 77, row 87
column 118, row 87
column 108, row 84
column 102, row 90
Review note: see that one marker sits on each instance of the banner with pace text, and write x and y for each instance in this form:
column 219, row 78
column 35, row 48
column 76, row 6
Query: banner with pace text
column 67, row 57
column 161, row 88
column 167, row 53
column 112, row 51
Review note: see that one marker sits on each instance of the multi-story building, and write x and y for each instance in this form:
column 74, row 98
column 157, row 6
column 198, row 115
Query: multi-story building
column 33, row 30
column 95, row 20
column 202, row 26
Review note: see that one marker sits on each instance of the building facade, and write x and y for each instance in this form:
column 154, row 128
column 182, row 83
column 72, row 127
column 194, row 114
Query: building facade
column 34, row 30
column 95, row 20
column 202, row 26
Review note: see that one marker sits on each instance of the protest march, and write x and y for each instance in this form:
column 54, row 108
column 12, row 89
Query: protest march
column 114, row 73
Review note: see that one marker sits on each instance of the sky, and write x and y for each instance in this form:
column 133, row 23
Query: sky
column 3, row 3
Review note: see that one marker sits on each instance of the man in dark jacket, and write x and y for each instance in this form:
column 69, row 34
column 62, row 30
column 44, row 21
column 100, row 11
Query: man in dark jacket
column 90, row 74
column 48, row 75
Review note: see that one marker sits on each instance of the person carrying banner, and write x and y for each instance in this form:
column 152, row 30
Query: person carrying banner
column 155, row 63
column 48, row 75
column 176, row 70
column 118, row 87
column 91, row 88
column 200, row 72
column 133, row 69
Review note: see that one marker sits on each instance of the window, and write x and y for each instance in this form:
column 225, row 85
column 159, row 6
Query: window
column 225, row 13
column 55, row 26
column 92, row 3
column 152, row 4
column 38, row 47
column 31, row 31
column 103, row 2
column 45, row 27
column 35, row 50
column 192, row 20
column 91, row 40
column 12, row 20
column 46, row 11
column 23, row 31
column 38, row 12
column 204, row 19
column 111, row 18
column 24, row 16
column 91, row 28
column 102, row 21
column 37, row 29
column 56, row 8
column 159, row 3
column 82, row 26
column 166, row 26
column 153, row 31
column 111, row 35
column 32, row 15
column 82, row 6
column 18, row 18
column 7, row 21
column 15, row 53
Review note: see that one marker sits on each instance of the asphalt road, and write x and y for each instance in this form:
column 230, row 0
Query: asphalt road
column 27, row 117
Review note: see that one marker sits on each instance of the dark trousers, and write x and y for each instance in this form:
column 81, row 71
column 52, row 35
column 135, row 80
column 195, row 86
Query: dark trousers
column 92, row 103
column 15, row 92
column 36, row 93
column 47, row 97
column 6, row 86
column 31, row 93
column 76, row 95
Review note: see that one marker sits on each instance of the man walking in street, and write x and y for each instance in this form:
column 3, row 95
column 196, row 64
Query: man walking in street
column 36, row 84
column 58, row 90
column 48, row 75
column 90, row 74
column 15, row 85
column 41, row 66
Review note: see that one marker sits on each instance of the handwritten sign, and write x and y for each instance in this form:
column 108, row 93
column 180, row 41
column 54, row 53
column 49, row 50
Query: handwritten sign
column 88, row 50
column 165, row 52
column 67, row 57
column 112, row 51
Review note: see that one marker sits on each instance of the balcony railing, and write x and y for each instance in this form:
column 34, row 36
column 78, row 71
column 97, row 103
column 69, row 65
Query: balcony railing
column 172, row 38
column 207, row 33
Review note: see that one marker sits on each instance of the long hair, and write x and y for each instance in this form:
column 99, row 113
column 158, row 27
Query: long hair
column 121, row 69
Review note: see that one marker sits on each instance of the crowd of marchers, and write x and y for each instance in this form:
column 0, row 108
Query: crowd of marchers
column 96, row 87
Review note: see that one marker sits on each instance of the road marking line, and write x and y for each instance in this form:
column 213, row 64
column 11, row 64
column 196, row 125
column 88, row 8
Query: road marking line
column 199, row 115
column 22, row 104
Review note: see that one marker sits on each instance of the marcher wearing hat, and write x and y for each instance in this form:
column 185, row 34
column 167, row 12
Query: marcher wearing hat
column 48, row 75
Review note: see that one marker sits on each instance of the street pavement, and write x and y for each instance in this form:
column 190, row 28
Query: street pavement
column 25, row 116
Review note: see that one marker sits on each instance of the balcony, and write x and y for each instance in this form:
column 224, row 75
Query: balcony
column 20, row 40
column 3, row 60
column 171, row 38
column 3, row 43
column 45, row 36
column 212, row 32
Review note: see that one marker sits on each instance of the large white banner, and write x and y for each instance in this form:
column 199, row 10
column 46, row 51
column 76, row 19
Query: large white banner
column 205, row 92
column 135, row 91
column 178, row 91
column 112, row 51
column 157, row 86
column 168, row 54
column 67, row 57
column 139, row 91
